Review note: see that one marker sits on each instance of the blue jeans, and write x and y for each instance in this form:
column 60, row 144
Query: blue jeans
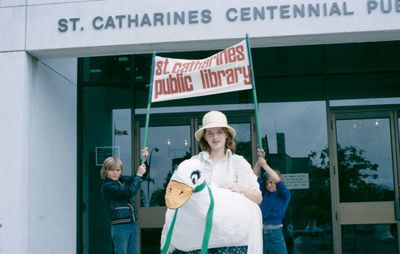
column 125, row 237
column 273, row 241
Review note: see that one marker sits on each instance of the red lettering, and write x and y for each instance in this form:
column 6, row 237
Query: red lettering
column 230, row 56
column 176, row 68
column 247, row 75
column 165, row 66
column 158, row 68
column 172, row 85
column 229, row 76
column 240, row 56
column 161, row 67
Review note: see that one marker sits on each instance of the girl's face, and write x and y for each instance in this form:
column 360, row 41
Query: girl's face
column 115, row 172
column 216, row 138
column 271, row 186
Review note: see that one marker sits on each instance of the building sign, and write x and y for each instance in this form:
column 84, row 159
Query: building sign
column 103, row 152
column 296, row 181
column 130, row 26
column 246, row 13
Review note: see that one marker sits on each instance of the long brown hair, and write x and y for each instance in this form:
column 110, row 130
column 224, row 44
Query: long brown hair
column 229, row 143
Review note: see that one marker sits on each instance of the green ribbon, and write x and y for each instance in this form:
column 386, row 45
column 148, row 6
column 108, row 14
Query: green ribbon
column 200, row 187
column 169, row 235
column 207, row 230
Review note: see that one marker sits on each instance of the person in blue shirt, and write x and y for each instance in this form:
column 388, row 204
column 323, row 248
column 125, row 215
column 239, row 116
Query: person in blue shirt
column 275, row 200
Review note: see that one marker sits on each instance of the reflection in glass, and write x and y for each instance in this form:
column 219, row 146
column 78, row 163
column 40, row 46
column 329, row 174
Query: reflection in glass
column 365, row 160
column 295, row 140
column 243, row 140
column 122, row 138
column 168, row 146
column 378, row 238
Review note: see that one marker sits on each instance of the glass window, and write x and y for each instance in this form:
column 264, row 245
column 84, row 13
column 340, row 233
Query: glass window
column 105, row 130
column 168, row 146
column 291, row 91
column 295, row 139
column 122, row 137
column 369, row 239
column 365, row 160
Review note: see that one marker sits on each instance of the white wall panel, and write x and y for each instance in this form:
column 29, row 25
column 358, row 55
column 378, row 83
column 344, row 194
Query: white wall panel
column 53, row 152
column 8, row 3
column 38, row 2
column 12, row 28
column 15, row 158
column 38, row 153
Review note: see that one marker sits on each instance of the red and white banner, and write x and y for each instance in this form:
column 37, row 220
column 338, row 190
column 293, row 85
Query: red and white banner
column 226, row 71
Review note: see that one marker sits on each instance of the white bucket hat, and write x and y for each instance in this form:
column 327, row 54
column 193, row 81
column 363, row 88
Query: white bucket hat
column 214, row 119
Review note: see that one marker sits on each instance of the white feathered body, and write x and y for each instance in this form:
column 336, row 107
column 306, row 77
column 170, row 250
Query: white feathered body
column 233, row 216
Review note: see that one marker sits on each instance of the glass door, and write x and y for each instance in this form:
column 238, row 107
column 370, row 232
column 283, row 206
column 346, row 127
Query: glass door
column 365, row 181
column 170, row 141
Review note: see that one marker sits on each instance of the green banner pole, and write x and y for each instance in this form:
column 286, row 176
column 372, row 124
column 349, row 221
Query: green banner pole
column 146, row 128
column 253, row 80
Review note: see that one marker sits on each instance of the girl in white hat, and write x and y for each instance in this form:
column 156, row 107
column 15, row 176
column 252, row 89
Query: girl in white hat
column 222, row 167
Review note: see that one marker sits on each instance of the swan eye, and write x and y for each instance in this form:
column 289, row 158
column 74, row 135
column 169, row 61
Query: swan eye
column 195, row 176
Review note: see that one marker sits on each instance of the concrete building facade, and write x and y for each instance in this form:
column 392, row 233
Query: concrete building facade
column 42, row 42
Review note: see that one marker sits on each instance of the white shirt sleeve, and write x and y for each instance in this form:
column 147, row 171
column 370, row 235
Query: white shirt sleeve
column 245, row 173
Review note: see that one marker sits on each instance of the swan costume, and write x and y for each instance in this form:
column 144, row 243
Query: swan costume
column 202, row 216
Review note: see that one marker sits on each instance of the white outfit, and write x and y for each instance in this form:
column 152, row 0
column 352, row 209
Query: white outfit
column 237, row 220
column 233, row 168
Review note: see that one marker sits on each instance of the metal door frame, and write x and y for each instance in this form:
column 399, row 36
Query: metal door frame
column 390, row 111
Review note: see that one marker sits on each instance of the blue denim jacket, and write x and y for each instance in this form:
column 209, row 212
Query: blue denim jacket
column 119, row 196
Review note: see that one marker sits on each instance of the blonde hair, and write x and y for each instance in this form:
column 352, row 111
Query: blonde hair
column 108, row 164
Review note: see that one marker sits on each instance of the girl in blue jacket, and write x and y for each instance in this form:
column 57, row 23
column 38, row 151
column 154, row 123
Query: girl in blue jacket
column 119, row 191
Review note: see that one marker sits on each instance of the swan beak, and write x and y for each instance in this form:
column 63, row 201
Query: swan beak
column 177, row 194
